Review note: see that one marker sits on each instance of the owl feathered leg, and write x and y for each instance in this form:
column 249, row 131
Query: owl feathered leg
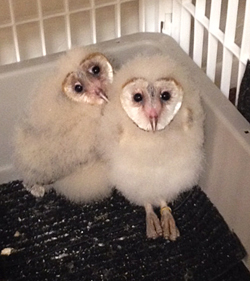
column 169, row 228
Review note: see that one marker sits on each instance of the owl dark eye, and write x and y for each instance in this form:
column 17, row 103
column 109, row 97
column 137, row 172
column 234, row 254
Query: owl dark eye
column 165, row 96
column 138, row 97
column 78, row 88
column 95, row 69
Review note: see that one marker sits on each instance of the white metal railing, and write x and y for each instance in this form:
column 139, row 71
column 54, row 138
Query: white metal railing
column 229, row 66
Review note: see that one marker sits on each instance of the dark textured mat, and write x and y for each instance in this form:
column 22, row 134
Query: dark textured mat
column 106, row 240
column 239, row 272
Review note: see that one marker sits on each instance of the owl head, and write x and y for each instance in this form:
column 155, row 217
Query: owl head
column 152, row 90
column 89, row 82
column 151, row 105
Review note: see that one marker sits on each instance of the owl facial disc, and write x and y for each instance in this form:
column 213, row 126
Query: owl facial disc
column 151, row 105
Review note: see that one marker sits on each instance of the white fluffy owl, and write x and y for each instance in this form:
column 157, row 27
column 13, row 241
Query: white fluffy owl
column 155, row 124
column 56, row 140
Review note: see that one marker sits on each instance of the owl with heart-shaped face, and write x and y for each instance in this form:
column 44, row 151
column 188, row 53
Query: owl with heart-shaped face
column 56, row 140
column 155, row 119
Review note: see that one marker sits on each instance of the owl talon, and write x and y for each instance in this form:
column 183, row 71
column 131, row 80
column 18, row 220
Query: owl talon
column 36, row 190
column 170, row 230
column 154, row 229
column 153, row 225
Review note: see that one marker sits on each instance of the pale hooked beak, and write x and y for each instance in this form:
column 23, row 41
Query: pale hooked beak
column 153, row 123
column 102, row 95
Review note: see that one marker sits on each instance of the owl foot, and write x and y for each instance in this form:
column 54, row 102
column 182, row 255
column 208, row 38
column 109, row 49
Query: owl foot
column 165, row 227
column 36, row 190
column 169, row 228
column 153, row 225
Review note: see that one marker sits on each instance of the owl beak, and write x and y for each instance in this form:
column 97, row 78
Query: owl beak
column 152, row 113
column 102, row 95
column 153, row 123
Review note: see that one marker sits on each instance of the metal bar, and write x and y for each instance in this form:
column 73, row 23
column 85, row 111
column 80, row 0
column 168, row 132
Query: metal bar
column 93, row 21
column 215, row 15
column 198, row 33
column 245, row 43
column 118, row 19
column 245, row 48
column 41, row 27
column 232, row 10
column 211, row 56
column 176, row 19
column 157, row 17
column 185, row 30
column 14, row 31
column 226, row 70
column 142, row 16
column 227, row 59
column 67, row 24
column 213, row 39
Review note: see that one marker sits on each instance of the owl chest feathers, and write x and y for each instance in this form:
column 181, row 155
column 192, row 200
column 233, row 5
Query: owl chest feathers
column 149, row 166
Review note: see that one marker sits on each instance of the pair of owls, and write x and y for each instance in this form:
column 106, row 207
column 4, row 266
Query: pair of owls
column 140, row 130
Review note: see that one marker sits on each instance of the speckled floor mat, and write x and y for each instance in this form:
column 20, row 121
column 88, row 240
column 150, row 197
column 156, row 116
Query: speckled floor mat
column 57, row 240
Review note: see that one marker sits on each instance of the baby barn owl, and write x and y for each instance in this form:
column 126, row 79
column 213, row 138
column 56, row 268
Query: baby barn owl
column 55, row 142
column 157, row 137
